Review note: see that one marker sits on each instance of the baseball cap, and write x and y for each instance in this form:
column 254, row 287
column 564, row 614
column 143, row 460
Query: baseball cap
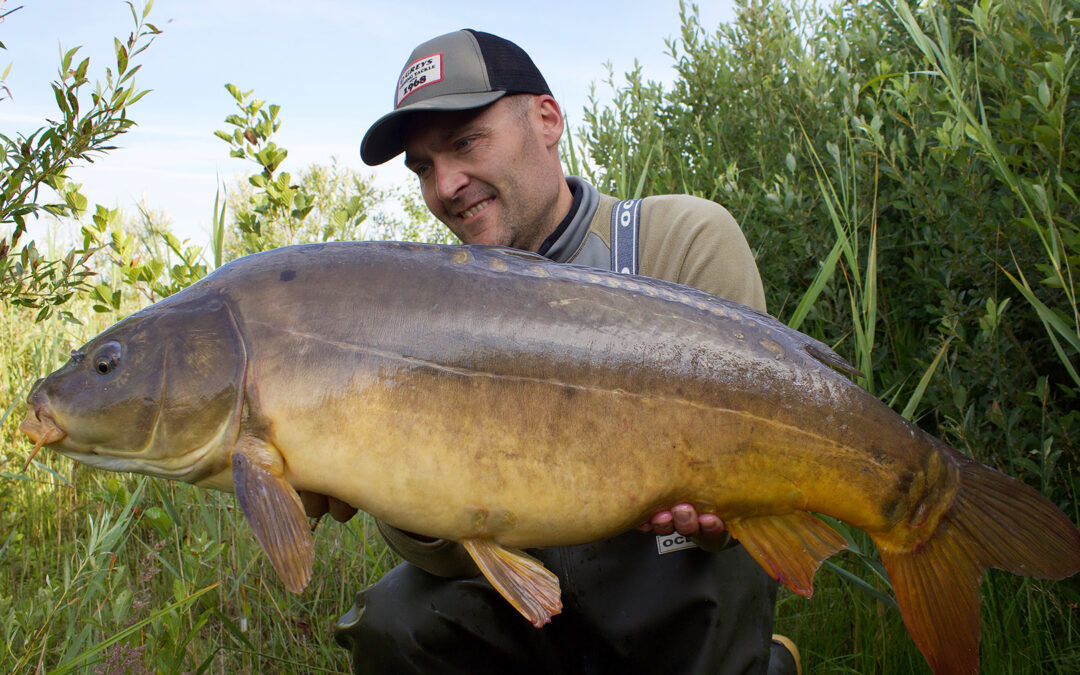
column 462, row 70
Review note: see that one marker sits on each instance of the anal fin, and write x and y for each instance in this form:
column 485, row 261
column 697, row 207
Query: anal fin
column 790, row 547
column 523, row 580
column 274, row 511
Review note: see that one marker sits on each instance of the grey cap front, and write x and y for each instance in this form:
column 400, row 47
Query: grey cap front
column 462, row 70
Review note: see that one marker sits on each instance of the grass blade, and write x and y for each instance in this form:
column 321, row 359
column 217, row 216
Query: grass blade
column 924, row 381
column 81, row 659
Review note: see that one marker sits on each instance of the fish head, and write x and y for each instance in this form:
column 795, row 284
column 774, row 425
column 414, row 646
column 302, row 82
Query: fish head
column 158, row 393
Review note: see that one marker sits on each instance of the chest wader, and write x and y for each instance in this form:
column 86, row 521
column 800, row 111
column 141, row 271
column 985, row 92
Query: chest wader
column 635, row 603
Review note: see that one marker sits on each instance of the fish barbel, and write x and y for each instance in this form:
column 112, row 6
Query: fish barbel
column 494, row 398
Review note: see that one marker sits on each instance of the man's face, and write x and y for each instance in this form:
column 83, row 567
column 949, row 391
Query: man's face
column 489, row 174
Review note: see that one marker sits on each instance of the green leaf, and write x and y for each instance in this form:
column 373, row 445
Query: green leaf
column 1044, row 94
column 1046, row 135
column 1054, row 324
column 65, row 60
column 80, row 72
column 825, row 272
column 924, row 382
column 159, row 519
column 863, row 585
column 1055, row 68
column 121, row 55
column 61, row 99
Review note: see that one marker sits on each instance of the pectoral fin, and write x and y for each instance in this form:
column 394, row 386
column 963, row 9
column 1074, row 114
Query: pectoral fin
column 790, row 547
column 274, row 511
column 523, row 580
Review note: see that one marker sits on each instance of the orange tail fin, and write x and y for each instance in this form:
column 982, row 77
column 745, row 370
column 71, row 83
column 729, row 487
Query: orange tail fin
column 995, row 521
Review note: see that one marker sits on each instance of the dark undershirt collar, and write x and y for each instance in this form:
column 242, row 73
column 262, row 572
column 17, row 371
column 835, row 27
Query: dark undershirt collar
column 578, row 192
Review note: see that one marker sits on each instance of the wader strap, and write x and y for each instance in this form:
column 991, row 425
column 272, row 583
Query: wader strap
column 625, row 218
column 625, row 224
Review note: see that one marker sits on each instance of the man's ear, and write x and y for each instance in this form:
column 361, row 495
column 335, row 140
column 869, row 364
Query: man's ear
column 551, row 120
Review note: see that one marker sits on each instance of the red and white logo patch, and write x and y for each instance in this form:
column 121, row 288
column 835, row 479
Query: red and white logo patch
column 418, row 74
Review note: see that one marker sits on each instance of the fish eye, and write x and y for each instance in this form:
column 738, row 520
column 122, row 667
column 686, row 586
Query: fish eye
column 107, row 358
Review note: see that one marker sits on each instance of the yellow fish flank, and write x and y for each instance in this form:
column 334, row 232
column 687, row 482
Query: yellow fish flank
column 494, row 398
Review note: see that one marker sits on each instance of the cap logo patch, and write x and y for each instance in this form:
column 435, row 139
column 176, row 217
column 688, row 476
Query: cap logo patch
column 418, row 74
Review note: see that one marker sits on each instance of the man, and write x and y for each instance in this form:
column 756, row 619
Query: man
column 480, row 129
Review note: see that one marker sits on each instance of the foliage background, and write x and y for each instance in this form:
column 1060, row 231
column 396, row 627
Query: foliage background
column 905, row 175
column 907, row 179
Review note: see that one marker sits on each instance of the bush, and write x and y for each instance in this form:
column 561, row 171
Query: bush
column 937, row 149
column 34, row 170
column 906, row 179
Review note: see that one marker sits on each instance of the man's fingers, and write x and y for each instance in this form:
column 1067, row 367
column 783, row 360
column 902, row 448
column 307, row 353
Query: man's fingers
column 663, row 523
column 711, row 525
column 315, row 504
column 686, row 519
column 340, row 510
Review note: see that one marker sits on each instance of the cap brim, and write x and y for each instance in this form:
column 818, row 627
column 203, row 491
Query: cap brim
column 386, row 138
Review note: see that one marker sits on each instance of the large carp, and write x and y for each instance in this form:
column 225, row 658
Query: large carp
column 494, row 398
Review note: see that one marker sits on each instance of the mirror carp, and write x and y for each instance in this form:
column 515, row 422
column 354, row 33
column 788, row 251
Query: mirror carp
column 494, row 398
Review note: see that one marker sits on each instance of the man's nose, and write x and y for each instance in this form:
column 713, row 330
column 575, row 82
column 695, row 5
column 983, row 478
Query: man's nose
column 450, row 178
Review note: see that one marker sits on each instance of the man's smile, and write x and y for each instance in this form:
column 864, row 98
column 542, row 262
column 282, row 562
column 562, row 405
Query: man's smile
column 474, row 209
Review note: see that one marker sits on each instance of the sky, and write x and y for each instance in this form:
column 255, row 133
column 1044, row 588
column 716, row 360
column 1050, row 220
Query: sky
column 330, row 64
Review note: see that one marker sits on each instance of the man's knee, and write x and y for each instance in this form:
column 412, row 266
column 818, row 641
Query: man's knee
column 410, row 617
column 387, row 613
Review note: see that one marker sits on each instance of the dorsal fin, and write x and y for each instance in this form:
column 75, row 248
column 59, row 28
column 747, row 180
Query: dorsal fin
column 830, row 358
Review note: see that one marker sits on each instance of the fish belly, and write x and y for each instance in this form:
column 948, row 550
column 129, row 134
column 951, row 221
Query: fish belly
column 539, row 463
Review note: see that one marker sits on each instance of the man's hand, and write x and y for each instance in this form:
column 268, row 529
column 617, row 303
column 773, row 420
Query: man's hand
column 317, row 505
column 685, row 519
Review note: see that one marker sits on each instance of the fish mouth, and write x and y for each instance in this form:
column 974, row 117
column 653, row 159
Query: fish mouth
column 42, row 430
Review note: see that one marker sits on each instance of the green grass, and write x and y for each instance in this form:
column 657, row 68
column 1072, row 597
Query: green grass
column 1029, row 626
column 171, row 570
column 87, row 561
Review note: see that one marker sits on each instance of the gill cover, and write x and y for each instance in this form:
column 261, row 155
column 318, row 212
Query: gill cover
column 159, row 384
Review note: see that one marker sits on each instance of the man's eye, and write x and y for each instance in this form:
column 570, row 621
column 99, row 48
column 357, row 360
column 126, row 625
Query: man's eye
column 463, row 143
